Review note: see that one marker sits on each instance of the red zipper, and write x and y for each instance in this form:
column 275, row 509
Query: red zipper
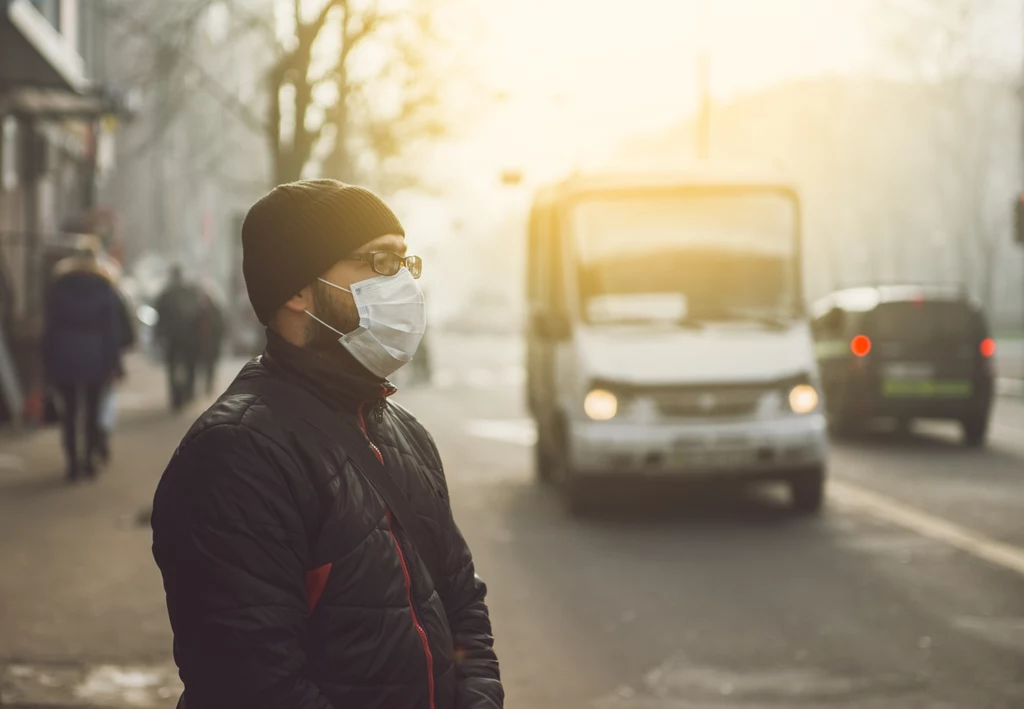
column 415, row 619
column 405, row 575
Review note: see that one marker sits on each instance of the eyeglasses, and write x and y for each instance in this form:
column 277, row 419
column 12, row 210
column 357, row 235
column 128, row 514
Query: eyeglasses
column 387, row 263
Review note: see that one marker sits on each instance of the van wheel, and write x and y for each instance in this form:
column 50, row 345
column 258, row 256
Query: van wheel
column 579, row 496
column 975, row 430
column 807, row 491
column 543, row 467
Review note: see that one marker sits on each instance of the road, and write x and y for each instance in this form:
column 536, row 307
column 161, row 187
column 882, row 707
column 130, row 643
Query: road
column 907, row 592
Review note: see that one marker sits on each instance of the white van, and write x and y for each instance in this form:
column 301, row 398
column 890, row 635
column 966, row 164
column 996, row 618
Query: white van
column 667, row 334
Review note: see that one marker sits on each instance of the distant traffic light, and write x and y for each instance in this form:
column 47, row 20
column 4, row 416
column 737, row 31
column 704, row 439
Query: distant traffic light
column 511, row 178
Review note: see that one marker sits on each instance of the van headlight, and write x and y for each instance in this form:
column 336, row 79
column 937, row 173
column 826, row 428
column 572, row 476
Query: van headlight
column 600, row 405
column 803, row 399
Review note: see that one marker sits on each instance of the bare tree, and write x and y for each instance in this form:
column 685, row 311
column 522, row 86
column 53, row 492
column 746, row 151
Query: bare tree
column 352, row 89
column 944, row 46
column 349, row 87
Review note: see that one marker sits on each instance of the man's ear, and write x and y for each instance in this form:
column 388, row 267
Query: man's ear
column 301, row 301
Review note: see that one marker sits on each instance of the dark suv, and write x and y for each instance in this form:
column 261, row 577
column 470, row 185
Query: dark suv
column 904, row 352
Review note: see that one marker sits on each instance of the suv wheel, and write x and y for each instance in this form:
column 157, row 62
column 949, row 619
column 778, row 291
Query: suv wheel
column 975, row 430
column 543, row 465
column 579, row 499
column 807, row 491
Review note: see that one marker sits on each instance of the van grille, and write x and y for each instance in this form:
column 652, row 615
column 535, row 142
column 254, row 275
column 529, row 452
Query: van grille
column 709, row 402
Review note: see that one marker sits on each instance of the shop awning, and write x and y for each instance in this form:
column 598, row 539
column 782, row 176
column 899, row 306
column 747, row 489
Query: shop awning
column 40, row 72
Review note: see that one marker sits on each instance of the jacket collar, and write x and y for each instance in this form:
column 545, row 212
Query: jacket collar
column 342, row 383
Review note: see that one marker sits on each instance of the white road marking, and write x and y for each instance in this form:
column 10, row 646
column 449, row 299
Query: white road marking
column 479, row 378
column 520, row 432
column 1005, row 631
column 853, row 497
column 131, row 400
column 9, row 461
column 845, row 495
column 444, row 379
column 1010, row 431
column 1010, row 387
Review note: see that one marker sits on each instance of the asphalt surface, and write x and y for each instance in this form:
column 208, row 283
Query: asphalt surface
column 908, row 591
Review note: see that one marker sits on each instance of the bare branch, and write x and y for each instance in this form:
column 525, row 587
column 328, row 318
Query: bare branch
column 207, row 82
column 307, row 33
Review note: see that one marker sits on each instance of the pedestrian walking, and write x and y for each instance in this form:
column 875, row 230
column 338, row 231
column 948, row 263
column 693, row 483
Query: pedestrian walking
column 179, row 308
column 303, row 526
column 82, row 345
column 211, row 338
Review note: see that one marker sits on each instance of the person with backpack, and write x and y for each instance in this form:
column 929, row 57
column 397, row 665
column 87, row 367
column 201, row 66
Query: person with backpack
column 303, row 526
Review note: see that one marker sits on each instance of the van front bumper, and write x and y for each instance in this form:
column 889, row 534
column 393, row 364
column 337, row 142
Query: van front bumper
column 758, row 449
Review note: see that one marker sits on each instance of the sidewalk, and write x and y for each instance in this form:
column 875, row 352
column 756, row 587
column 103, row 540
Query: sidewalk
column 1010, row 366
column 83, row 622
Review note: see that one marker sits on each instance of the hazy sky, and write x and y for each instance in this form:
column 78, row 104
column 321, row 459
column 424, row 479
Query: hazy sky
column 556, row 84
column 576, row 74
column 564, row 79
column 559, row 84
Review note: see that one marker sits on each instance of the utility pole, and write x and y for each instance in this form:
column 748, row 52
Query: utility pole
column 703, row 127
column 164, row 122
column 1019, row 214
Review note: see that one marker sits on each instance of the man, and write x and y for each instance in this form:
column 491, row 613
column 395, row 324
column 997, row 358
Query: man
column 82, row 344
column 210, row 332
column 290, row 583
column 179, row 309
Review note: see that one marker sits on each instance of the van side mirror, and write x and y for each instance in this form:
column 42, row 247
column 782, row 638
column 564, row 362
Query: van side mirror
column 552, row 325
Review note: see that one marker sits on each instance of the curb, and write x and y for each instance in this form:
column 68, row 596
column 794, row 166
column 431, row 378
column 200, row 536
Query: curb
column 1006, row 386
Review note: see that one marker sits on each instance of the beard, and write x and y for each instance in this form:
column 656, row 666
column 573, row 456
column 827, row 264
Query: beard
column 337, row 311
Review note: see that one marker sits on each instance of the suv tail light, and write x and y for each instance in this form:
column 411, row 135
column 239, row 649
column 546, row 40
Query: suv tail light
column 860, row 345
column 987, row 347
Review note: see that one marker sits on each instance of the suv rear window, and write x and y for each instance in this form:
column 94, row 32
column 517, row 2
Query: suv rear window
column 926, row 322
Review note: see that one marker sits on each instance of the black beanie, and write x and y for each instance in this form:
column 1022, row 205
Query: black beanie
column 298, row 231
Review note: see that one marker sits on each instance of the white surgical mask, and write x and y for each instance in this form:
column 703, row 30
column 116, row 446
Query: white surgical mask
column 392, row 319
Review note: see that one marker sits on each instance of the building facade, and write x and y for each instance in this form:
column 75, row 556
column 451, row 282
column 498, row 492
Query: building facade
column 53, row 100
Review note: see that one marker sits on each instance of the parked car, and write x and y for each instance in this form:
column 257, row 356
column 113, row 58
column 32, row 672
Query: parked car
column 904, row 352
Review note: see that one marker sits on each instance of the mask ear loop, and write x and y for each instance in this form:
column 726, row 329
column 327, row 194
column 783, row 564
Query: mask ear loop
column 335, row 331
column 333, row 285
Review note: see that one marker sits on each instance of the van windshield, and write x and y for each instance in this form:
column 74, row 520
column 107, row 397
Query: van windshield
column 729, row 255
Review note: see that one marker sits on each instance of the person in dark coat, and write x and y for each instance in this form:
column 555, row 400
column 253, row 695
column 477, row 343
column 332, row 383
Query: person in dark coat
column 211, row 337
column 82, row 345
column 179, row 308
column 290, row 583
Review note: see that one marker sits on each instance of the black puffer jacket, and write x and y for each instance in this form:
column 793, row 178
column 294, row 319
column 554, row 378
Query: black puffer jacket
column 288, row 586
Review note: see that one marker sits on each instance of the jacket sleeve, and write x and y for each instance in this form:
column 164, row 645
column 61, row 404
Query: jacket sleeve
column 231, row 542
column 463, row 592
column 163, row 312
column 48, row 327
column 126, row 319
column 114, row 333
